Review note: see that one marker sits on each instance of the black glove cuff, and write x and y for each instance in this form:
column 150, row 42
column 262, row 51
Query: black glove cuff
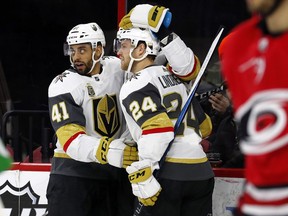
column 163, row 32
column 166, row 40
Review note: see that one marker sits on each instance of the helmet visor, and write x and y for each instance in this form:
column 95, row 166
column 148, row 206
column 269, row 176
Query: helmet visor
column 66, row 49
column 117, row 44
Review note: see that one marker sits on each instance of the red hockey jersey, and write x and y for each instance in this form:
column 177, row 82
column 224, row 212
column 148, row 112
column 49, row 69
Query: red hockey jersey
column 254, row 63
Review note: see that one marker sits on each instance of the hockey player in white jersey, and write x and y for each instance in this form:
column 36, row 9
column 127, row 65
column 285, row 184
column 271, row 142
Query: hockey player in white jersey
column 85, row 114
column 151, row 101
column 174, row 54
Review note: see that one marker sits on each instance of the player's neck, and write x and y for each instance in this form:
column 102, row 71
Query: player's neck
column 140, row 65
column 277, row 22
column 97, row 69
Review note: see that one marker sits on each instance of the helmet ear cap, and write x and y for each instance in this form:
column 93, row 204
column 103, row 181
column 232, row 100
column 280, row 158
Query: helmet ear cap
column 86, row 33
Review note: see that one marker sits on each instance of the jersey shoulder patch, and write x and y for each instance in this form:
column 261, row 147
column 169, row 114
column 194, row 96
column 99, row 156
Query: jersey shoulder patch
column 65, row 82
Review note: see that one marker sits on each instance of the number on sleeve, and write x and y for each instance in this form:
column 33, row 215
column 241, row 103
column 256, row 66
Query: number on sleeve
column 147, row 104
column 59, row 112
column 135, row 109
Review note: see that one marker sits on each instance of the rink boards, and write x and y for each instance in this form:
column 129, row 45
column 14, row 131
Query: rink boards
column 23, row 189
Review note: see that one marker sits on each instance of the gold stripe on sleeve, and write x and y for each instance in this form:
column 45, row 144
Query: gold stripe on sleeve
column 65, row 132
column 159, row 121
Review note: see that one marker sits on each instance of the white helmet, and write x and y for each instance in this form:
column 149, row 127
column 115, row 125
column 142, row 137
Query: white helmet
column 86, row 33
column 136, row 35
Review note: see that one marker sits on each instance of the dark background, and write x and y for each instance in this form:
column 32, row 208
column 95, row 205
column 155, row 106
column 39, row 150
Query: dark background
column 32, row 33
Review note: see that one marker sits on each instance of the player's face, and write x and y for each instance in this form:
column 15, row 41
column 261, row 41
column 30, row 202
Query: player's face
column 260, row 6
column 124, row 53
column 81, row 55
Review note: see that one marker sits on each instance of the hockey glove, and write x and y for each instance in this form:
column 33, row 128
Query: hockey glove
column 116, row 153
column 144, row 184
column 147, row 16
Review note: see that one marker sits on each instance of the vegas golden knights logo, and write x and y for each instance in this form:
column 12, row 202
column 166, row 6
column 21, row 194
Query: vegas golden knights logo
column 107, row 121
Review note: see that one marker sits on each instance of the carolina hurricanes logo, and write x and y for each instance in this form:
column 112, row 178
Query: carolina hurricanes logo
column 107, row 120
column 263, row 123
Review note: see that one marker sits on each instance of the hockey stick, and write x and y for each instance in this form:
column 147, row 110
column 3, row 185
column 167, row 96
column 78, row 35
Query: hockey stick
column 207, row 94
column 183, row 112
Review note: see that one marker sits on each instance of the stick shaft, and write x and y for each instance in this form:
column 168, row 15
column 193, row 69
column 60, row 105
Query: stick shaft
column 192, row 93
column 197, row 80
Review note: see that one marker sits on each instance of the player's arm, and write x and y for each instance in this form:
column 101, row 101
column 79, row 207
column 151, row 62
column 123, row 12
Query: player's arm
column 156, row 133
column 205, row 123
column 181, row 59
column 145, row 109
column 68, row 121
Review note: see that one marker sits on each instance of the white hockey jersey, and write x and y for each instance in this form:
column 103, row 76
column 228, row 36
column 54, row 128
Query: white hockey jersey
column 82, row 110
column 151, row 102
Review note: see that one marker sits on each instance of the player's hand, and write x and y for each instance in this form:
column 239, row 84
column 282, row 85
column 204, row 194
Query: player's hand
column 130, row 155
column 219, row 102
column 147, row 16
column 116, row 153
column 151, row 200
column 144, row 184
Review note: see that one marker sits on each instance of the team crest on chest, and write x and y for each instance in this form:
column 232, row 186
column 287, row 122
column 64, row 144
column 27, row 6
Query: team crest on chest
column 107, row 120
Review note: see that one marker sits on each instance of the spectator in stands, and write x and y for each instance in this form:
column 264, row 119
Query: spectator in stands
column 215, row 102
column 223, row 139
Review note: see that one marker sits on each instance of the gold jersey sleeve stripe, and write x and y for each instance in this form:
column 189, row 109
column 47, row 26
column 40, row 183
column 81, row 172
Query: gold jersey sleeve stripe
column 193, row 74
column 159, row 121
column 61, row 155
column 206, row 127
column 186, row 160
column 67, row 133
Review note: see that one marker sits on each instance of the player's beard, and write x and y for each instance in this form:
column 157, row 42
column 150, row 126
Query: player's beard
column 86, row 69
column 125, row 63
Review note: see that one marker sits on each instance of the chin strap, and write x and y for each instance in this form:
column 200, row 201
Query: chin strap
column 133, row 59
column 95, row 61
